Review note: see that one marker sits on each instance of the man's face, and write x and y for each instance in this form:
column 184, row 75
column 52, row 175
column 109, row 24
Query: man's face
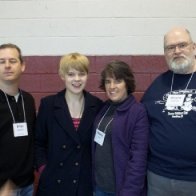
column 10, row 66
column 179, row 51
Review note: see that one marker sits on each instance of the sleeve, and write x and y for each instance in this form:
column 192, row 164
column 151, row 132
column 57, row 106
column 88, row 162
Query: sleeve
column 41, row 136
column 135, row 174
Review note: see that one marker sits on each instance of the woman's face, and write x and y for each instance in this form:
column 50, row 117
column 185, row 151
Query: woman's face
column 116, row 89
column 75, row 81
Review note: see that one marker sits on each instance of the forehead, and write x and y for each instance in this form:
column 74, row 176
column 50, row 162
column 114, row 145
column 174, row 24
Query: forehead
column 75, row 70
column 177, row 36
column 9, row 53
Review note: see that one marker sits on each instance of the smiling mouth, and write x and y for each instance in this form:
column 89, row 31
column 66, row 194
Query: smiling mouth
column 112, row 93
column 77, row 85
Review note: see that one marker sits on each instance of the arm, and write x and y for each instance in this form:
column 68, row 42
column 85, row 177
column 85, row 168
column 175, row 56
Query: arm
column 135, row 173
column 41, row 137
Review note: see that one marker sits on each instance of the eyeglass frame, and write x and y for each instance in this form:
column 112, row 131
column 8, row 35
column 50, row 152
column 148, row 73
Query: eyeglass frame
column 181, row 46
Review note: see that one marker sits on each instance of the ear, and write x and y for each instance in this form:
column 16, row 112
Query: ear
column 23, row 66
column 62, row 77
column 194, row 48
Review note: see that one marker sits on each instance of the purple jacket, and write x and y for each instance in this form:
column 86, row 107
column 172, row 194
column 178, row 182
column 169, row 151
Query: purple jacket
column 130, row 143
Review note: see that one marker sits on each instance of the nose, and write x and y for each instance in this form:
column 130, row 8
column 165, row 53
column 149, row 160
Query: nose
column 112, row 85
column 177, row 49
column 7, row 64
column 77, row 77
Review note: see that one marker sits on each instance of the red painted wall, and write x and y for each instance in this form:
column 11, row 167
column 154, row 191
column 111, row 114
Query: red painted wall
column 41, row 77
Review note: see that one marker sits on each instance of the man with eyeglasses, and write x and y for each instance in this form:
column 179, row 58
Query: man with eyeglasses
column 17, row 119
column 171, row 107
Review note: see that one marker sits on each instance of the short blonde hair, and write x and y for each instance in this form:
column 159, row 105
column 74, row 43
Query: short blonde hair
column 75, row 61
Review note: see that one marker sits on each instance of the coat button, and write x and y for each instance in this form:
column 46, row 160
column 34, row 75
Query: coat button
column 61, row 164
column 59, row 181
column 63, row 146
column 74, row 181
column 76, row 163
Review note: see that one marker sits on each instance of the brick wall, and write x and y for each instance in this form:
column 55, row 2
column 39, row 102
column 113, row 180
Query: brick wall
column 41, row 77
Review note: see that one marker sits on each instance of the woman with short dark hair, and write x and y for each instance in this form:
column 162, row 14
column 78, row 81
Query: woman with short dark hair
column 120, row 136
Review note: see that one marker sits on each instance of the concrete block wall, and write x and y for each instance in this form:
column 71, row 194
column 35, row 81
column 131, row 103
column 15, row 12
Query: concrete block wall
column 93, row 27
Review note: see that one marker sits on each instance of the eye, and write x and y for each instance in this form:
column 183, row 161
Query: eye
column 171, row 47
column 13, row 61
column 107, row 81
column 182, row 45
column 118, row 81
column 2, row 62
column 82, row 73
column 71, row 74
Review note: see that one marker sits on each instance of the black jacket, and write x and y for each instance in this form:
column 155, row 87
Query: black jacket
column 65, row 151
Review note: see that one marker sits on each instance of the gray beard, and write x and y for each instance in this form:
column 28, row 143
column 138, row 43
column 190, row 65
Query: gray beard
column 180, row 68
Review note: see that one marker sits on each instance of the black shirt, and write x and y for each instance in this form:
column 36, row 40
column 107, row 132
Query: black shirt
column 16, row 153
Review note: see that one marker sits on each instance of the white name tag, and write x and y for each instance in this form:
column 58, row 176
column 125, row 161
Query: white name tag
column 175, row 100
column 99, row 137
column 20, row 129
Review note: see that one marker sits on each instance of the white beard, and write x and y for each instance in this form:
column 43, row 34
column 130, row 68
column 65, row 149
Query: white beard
column 180, row 67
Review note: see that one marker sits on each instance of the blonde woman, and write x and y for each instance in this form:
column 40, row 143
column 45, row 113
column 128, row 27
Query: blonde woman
column 64, row 131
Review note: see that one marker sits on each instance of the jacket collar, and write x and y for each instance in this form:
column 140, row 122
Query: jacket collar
column 62, row 115
column 125, row 105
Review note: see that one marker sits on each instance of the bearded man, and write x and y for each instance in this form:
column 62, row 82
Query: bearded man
column 171, row 105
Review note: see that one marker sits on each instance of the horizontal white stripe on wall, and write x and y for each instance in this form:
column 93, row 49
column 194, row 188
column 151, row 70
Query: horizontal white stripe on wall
column 51, row 27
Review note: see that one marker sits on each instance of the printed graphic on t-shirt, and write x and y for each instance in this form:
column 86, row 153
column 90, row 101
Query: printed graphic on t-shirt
column 178, row 103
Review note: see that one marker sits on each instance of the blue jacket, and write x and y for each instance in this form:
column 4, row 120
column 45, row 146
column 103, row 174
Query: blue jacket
column 129, row 142
column 65, row 151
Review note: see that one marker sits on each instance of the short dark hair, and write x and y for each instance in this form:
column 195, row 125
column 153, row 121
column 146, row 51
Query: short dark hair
column 9, row 45
column 119, row 70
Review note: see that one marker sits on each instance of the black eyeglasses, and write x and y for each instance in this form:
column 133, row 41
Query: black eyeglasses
column 181, row 46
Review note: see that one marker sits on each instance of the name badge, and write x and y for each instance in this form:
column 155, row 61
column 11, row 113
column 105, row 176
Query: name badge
column 20, row 129
column 99, row 137
column 175, row 100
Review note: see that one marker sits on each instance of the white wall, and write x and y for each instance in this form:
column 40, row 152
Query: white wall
column 94, row 27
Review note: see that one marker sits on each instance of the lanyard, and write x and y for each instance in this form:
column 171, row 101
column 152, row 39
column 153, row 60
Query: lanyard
column 102, row 120
column 186, row 84
column 11, row 108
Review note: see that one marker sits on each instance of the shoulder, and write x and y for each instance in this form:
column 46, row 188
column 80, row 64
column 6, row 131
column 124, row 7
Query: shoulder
column 129, row 104
column 131, row 107
column 51, row 98
column 136, row 107
column 162, row 77
column 92, row 99
column 28, row 98
column 27, row 94
column 159, row 83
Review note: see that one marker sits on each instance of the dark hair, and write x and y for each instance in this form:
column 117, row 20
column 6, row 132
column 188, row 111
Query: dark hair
column 118, row 70
column 9, row 45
